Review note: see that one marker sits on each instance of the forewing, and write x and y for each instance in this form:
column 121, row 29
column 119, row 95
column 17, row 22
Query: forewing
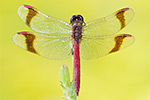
column 42, row 23
column 109, row 25
column 52, row 47
column 95, row 47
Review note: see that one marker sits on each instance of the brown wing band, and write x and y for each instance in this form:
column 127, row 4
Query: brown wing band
column 30, row 15
column 118, row 43
column 120, row 16
column 29, row 41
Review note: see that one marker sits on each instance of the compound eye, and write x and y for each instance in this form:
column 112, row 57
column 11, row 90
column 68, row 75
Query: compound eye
column 72, row 18
column 80, row 17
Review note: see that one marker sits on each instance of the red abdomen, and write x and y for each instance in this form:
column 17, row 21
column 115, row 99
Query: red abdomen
column 76, row 67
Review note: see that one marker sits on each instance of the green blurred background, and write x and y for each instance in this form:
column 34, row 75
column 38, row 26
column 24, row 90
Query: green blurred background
column 123, row 75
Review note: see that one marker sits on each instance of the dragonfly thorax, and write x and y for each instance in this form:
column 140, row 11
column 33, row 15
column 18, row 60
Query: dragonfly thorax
column 77, row 31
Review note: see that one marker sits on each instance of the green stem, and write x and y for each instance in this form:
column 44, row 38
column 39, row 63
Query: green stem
column 67, row 86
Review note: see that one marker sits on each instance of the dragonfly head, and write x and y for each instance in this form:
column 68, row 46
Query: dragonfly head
column 76, row 19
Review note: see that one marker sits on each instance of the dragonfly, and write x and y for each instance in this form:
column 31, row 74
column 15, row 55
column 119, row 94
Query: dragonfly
column 56, row 39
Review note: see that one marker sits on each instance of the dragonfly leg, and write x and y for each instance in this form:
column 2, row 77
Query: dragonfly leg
column 72, row 51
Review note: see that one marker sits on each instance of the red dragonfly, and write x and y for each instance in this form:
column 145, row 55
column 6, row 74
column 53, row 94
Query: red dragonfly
column 56, row 39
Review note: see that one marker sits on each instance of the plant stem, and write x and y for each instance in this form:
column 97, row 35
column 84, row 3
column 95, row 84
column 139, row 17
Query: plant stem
column 67, row 86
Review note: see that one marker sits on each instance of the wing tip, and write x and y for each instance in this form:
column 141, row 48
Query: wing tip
column 19, row 33
column 13, row 38
column 130, row 37
column 127, row 9
column 23, row 7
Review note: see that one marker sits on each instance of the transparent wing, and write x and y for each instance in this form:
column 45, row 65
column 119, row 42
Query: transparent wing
column 42, row 23
column 95, row 47
column 52, row 47
column 109, row 25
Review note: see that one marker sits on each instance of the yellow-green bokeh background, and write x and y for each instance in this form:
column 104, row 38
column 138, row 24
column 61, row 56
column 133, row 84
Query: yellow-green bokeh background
column 120, row 76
